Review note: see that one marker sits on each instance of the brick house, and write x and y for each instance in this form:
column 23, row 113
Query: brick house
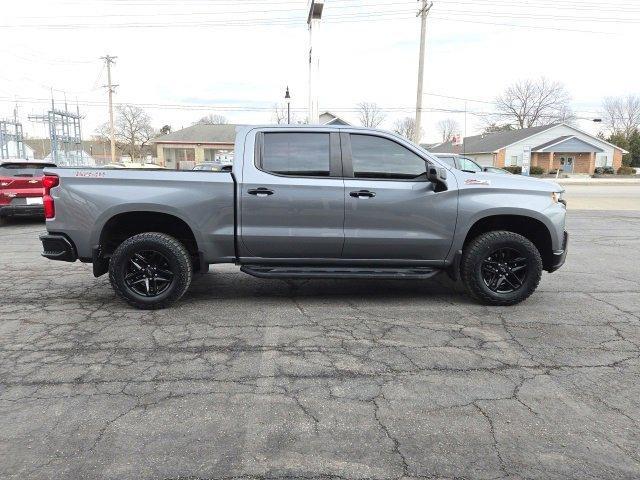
column 557, row 146
column 195, row 144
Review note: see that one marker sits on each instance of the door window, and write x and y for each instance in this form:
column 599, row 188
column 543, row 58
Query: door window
column 296, row 153
column 377, row 157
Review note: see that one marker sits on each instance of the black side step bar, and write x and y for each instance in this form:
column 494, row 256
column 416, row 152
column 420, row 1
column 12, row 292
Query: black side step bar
column 270, row 271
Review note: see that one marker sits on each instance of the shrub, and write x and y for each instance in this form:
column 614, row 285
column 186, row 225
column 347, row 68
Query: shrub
column 604, row 171
column 514, row 169
column 626, row 170
column 536, row 170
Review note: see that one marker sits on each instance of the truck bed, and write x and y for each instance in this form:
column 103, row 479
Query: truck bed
column 88, row 198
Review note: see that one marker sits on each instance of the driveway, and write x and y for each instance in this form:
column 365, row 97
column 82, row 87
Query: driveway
column 255, row 379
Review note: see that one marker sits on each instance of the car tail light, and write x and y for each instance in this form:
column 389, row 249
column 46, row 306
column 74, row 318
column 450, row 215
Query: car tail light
column 48, row 182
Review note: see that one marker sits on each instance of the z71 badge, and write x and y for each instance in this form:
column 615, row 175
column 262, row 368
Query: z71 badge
column 475, row 181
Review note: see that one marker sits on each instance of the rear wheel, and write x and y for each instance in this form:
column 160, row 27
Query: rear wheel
column 150, row 270
column 501, row 268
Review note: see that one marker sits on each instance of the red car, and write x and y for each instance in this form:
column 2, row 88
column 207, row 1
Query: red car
column 21, row 188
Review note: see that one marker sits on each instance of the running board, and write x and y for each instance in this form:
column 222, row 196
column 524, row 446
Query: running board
column 269, row 271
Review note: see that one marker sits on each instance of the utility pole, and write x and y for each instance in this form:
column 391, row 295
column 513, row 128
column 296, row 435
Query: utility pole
column 110, row 88
column 315, row 42
column 422, row 13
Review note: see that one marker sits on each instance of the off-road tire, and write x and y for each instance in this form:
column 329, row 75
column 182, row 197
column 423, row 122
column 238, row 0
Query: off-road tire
column 480, row 248
column 175, row 253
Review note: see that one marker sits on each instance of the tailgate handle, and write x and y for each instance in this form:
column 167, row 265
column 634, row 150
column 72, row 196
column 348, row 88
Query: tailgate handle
column 260, row 192
column 363, row 194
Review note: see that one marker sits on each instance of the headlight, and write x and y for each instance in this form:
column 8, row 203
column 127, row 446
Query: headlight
column 557, row 197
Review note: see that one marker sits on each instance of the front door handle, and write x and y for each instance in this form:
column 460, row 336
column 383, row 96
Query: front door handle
column 363, row 194
column 260, row 192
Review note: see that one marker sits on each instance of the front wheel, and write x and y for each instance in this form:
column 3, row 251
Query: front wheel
column 501, row 268
column 150, row 270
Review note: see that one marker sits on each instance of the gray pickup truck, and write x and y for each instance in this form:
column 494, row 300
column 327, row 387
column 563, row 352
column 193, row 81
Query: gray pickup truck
column 308, row 202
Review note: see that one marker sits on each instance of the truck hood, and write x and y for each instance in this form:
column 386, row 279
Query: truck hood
column 517, row 182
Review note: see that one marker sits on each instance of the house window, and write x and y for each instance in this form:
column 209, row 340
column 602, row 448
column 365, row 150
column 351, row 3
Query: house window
column 514, row 160
column 602, row 160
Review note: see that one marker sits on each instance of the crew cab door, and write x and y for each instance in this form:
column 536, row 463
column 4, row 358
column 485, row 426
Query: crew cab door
column 392, row 211
column 292, row 196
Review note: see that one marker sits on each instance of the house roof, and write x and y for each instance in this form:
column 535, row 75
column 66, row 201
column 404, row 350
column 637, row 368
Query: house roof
column 551, row 142
column 567, row 144
column 491, row 142
column 200, row 133
column 328, row 118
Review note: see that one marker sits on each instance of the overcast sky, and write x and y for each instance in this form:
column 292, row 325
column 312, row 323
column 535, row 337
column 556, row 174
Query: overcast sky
column 183, row 59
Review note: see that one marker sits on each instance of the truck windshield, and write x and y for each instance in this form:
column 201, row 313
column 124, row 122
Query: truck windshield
column 23, row 169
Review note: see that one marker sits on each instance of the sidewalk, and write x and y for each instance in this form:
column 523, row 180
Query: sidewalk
column 595, row 181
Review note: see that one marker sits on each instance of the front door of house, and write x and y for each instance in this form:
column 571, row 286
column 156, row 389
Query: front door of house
column 567, row 164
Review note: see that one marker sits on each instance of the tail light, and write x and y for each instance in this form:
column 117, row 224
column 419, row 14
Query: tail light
column 48, row 182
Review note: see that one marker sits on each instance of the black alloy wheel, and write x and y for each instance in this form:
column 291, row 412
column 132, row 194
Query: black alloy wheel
column 500, row 267
column 151, row 270
column 504, row 270
column 148, row 273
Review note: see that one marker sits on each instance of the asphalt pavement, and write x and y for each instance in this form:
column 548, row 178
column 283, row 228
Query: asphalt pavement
column 255, row 379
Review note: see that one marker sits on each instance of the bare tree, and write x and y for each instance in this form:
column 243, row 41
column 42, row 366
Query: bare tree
column 133, row 130
column 497, row 127
column 448, row 128
column 212, row 119
column 279, row 115
column 406, row 127
column 530, row 103
column 621, row 115
column 370, row 115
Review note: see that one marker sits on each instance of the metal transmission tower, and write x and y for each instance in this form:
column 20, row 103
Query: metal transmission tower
column 422, row 13
column 65, row 134
column 11, row 130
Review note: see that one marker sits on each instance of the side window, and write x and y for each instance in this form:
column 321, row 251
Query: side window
column 296, row 153
column 377, row 157
column 469, row 165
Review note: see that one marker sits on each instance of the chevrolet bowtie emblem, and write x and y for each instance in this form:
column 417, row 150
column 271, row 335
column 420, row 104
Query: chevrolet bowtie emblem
column 33, row 181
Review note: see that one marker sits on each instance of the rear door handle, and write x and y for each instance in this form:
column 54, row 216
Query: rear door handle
column 363, row 194
column 260, row 192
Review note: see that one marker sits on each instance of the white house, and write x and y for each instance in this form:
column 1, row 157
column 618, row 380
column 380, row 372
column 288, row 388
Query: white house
column 558, row 146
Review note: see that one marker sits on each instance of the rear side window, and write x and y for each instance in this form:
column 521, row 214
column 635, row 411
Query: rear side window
column 23, row 169
column 377, row 157
column 297, row 153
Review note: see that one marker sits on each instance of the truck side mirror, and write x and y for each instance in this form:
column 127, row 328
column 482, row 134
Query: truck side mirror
column 437, row 176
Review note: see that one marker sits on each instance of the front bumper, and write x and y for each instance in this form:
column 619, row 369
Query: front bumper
column 58, row 247
column 559, row 256
column 22, row 210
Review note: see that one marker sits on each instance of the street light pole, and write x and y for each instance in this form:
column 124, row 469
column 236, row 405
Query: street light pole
column 287, row 98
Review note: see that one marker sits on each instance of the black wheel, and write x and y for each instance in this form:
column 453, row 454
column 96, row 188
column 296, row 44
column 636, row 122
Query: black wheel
column 150, row 270
column 501, row 268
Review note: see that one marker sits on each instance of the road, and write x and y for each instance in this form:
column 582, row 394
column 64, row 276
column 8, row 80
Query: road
column 255, row 379
column 603, row 197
